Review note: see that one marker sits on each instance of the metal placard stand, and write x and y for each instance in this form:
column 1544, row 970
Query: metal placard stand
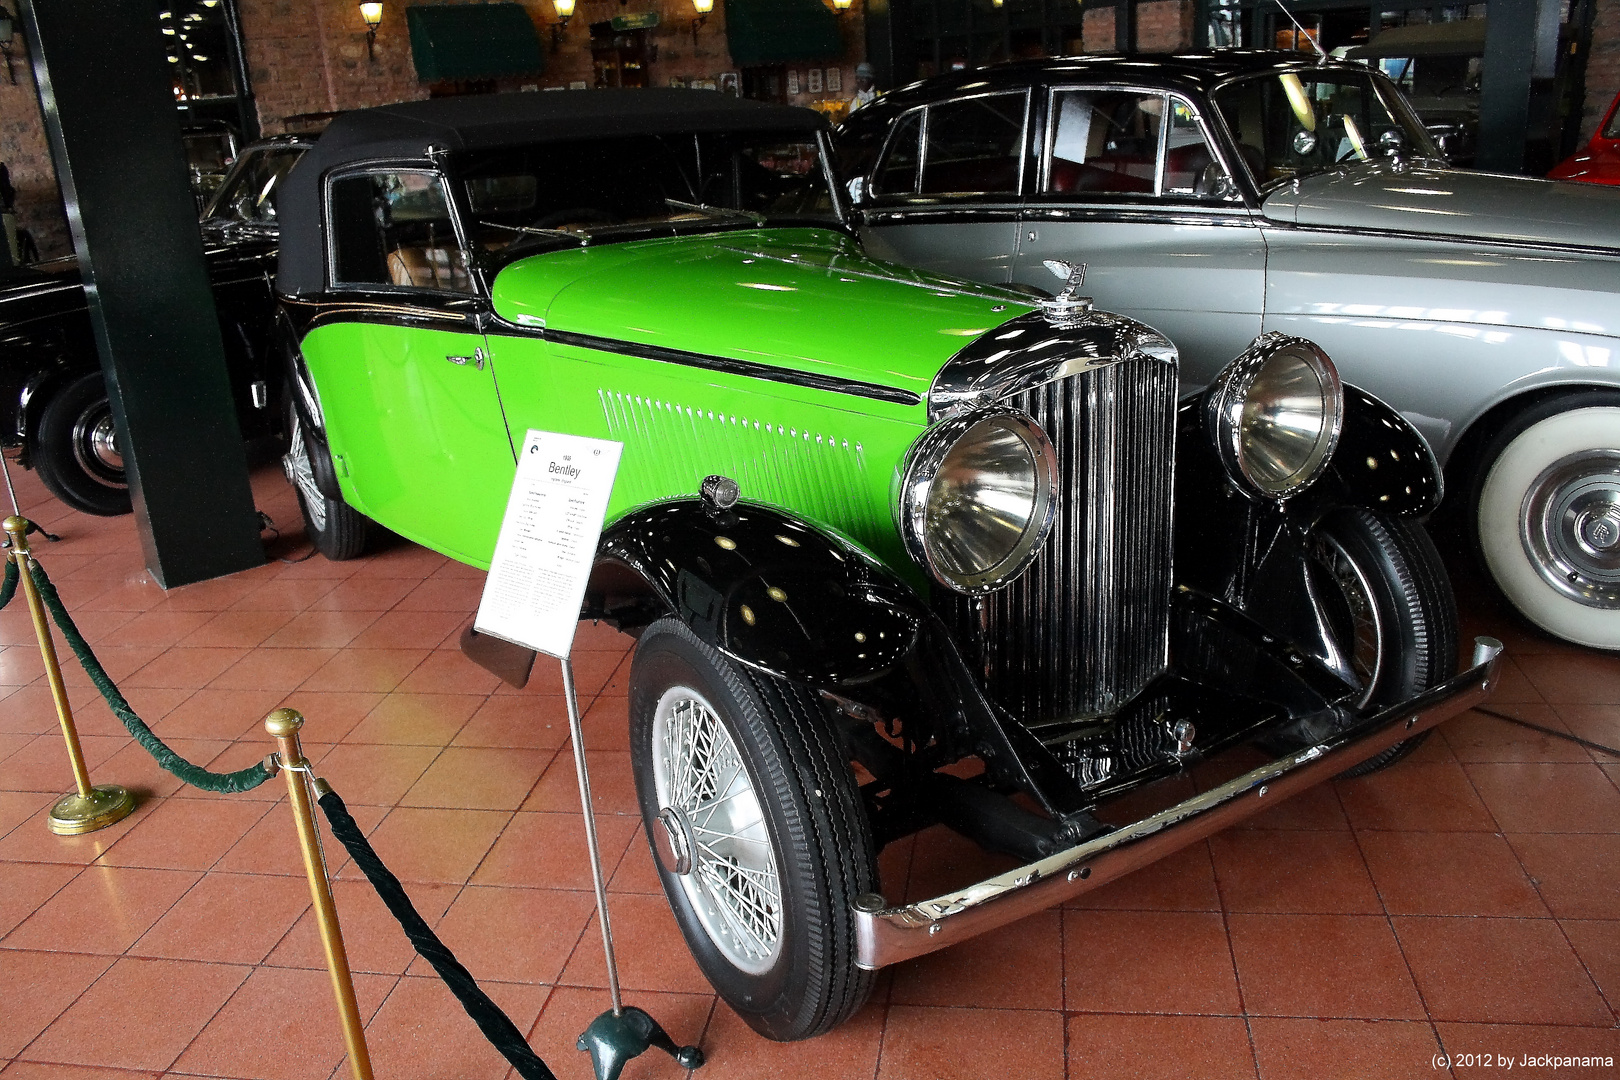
column 532, row 598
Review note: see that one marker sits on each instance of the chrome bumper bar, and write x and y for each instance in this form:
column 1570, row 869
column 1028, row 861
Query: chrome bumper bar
column 887, row 935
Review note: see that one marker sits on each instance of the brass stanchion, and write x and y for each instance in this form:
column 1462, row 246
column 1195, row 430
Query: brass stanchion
column 283, row 725
column 89, row 808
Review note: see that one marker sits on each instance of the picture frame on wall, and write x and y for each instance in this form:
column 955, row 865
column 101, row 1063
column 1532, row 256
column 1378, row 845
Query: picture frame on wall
column 835, row 80
column 793, row 83
column 814, row 81
column 731, row 83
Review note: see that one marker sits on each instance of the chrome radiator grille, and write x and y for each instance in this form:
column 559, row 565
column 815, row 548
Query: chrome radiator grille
column 1086, row 626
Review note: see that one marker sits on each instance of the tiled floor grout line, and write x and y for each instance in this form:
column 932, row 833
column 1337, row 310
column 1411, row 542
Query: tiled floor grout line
column 1389, row 920
column 1231, row 957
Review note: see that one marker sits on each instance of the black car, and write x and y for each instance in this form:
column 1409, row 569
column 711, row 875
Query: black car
column 53, row 403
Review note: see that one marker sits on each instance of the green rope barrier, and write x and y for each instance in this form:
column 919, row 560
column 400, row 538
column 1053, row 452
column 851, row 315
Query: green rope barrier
column 195, row 775
column 8, row 587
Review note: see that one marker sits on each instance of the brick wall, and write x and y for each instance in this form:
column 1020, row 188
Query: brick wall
column 1164, row 25
column 28, row 157
column 1097, row 30
column 1602, row 65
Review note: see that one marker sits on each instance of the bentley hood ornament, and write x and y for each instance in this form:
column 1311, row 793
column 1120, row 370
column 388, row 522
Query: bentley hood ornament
column 1067, row 307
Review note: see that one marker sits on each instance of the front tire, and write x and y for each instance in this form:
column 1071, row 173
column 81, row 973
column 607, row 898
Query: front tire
column 1391, row 610
column 336, row 530
column 76, row 449
column 1547, row 517
column 757, row 828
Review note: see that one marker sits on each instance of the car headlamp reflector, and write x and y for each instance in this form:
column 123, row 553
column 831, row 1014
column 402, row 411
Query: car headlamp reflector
column 1276, row 414
column 977, row 498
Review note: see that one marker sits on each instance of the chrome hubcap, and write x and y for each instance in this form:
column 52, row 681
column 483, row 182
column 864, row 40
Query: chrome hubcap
column 295, row 463
column 1571, row 527
column 708, row 804
column 95, row 446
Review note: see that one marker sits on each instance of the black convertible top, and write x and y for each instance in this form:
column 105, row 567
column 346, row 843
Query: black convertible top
column 404, row 132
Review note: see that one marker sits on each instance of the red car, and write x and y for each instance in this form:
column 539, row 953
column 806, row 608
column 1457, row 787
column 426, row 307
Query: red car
column 1598, row 162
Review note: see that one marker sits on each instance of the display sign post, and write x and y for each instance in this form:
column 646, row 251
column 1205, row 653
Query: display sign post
column 537, row 578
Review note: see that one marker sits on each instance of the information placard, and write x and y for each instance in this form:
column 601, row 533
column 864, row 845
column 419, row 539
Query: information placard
column 548, row 538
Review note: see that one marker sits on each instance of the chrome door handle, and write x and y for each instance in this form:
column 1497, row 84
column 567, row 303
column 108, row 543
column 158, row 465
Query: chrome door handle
column 476, row 359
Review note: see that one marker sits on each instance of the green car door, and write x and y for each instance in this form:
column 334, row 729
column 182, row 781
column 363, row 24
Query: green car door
column 412, row 414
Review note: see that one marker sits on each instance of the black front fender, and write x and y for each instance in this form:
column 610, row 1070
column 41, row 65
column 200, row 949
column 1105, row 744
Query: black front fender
column 763, row 587
column 1381, row 463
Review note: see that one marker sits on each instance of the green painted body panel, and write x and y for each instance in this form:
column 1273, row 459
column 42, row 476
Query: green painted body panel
column 828, row 457
column 801, row 299
column 425, row 446
column 419, row 442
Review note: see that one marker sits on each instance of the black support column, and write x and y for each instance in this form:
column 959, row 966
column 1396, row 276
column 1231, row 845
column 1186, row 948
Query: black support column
column 1521, row 44
column 115, row 140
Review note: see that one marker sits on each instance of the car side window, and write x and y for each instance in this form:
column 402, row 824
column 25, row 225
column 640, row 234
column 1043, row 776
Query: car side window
column 898, row 173
column 1126, row 142
column 973, row 146
column 394, row 228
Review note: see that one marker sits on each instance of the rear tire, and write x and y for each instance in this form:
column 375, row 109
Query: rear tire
column 742, row 772
column 76, row 449
column 1392, row 610
column 336, row 530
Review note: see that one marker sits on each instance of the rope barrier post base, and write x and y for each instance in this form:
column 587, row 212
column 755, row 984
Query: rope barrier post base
column 89, row 808
column 622, row 1032
column 283, row 725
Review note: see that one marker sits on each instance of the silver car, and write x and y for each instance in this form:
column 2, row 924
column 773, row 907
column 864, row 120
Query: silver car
column 1221, row 196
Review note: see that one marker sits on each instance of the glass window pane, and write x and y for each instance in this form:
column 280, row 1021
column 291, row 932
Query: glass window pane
column 974, row 145
column 898, row 173
column 1189, row 167
column 1105, row 141
column 394, row 229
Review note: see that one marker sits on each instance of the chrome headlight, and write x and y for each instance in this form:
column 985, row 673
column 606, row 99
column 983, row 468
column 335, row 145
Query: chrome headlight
column 1276, row 413
column 977, row 498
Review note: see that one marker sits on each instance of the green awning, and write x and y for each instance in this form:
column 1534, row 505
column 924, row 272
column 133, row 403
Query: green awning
column 781, row 31
column 473, row 41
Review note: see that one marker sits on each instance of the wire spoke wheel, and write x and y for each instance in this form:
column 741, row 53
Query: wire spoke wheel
column 301, row 476
column 733, row 883
column 1360, row 639
column 757, row 827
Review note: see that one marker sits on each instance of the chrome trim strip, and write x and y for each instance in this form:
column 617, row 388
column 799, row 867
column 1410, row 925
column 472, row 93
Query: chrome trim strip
column 1540, row 246
column 1223, row 215
column 886, row 935
column 745, row 368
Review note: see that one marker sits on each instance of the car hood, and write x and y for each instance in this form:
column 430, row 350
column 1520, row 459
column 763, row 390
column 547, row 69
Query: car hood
column 800, row 299
column 1453, row 203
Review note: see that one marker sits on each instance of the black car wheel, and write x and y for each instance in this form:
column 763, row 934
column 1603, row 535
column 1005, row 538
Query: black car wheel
column 1391, row 610
column 758, row 830
column 336, row 530
column 76, row 449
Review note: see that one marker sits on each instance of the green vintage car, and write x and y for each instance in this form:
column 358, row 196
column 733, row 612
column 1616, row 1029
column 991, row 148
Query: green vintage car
column 899, row 550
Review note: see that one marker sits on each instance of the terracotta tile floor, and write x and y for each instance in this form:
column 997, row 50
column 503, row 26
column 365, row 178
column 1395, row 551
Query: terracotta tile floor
column 1466, row 901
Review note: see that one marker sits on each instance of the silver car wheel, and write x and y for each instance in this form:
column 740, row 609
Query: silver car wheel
column 1571, row 526
column 704, row 787
column 1363, row 652
column 1548, row 516
column 95, row 446
column 296, row 465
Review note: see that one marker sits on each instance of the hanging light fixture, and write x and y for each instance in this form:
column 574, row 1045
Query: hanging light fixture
column 702, row 7
column 565, row 11
column 371, row 12
column 842, row 6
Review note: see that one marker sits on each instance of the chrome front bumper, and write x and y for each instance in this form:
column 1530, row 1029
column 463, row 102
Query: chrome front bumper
column 887, row 935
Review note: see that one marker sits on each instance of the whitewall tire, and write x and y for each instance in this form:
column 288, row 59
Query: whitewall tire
column 1548, row 518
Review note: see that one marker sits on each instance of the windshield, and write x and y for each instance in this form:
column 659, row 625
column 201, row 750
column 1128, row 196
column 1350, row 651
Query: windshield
column 1293, row 124
column 248, row 193
column 599, row 190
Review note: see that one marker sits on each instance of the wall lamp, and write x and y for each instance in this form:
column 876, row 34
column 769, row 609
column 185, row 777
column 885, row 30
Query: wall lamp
column 7, row 30
column 565, row 11
column 841, row 6
column 702, row 7
column 371, row 12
